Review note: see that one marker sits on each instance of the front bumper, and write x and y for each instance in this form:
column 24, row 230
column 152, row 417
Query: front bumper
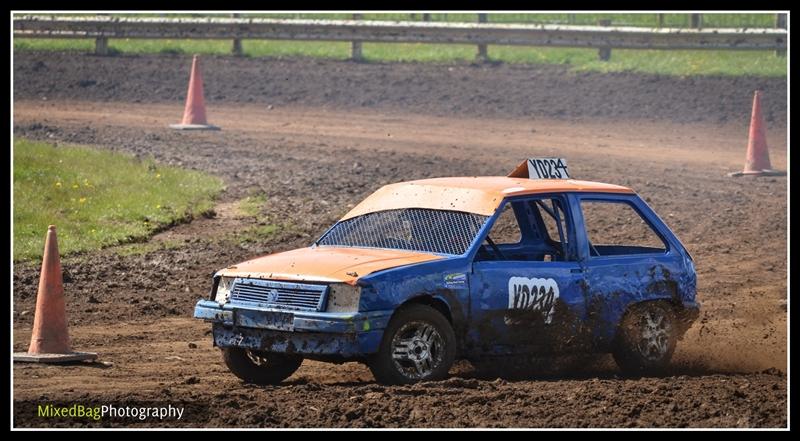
column 300, row 332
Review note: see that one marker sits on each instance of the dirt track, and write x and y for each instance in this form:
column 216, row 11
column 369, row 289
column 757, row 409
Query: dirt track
column 316, row 155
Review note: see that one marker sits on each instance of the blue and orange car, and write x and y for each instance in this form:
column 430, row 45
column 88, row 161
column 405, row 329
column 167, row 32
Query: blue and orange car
column 425, row 272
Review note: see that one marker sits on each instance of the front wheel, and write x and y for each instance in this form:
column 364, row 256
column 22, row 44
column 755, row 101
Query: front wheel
column 259, row 367
column 418, row 345
column 646, row 338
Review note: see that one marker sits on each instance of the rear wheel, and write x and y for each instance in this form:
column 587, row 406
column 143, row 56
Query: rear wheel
column 259, row 367
column 646, row 338
column 418, row 345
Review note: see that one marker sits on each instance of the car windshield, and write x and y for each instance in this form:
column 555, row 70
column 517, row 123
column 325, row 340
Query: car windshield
column 412, row 229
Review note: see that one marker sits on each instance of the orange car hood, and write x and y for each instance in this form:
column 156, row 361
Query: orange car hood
column 325, row 264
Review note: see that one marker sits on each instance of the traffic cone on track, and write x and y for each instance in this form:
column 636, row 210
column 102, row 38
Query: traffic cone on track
column 194, row 114
column 757, row 161
column 50, row 339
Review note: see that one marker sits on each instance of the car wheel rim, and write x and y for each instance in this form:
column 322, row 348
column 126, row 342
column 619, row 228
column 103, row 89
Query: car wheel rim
column 417, row 350
column 654, row 339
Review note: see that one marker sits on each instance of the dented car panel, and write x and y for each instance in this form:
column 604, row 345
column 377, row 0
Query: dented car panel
column 612, row 283
column 272, row 329
column 339, row 345
column 528, row 297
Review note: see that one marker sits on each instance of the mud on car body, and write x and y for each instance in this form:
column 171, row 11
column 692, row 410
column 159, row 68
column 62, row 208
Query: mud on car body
column 423, row 272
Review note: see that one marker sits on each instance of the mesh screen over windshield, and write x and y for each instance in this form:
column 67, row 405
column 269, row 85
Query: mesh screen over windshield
column 413, row 229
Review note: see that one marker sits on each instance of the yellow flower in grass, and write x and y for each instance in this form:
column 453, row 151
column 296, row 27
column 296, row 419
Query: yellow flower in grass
column 81, row 200
column 75, row 185
column 58, row 185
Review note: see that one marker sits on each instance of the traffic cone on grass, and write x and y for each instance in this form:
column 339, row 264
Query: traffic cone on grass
column 757, row 161
column 194, row 114
column 50, row 339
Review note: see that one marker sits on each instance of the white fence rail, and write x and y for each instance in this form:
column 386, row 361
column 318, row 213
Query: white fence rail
column 357, row 31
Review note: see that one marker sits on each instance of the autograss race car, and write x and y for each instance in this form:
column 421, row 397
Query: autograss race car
column 421, row 273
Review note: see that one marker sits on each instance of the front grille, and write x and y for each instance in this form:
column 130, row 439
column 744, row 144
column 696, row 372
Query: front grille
column 287, row 295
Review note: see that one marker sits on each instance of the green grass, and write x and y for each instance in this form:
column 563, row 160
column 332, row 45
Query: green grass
column 251, row 205
column 266, row 227
column 98, row 198
column 255, row 234
column 679, row 63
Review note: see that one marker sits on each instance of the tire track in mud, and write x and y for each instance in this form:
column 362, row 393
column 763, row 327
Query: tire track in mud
column 173, row 363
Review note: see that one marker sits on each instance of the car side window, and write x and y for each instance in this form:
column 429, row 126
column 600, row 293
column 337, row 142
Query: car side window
column 533, row 229
column 506, row 229
column 552, row 221
column 502, row 241
column 615, row 228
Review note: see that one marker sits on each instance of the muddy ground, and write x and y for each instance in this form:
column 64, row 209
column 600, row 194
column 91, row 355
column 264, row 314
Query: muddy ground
column 316, row 137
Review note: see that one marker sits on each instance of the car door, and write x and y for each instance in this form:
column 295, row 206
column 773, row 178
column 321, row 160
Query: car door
column 627, row 258
column 526, row 293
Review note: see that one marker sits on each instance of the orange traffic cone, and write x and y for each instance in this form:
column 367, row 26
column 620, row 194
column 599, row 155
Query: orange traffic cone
column 757, row 161
column 194, row 115
column 50, row 338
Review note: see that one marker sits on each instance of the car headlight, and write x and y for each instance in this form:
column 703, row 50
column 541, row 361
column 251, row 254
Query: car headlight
column 224, row 290
column 344, row 298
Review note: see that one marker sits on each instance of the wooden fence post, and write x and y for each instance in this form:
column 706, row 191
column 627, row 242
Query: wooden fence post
column 695, row 21
column 101, row 46
column 355, row 46
column 660, row 20
column 101, row 43
column 780, row 23
column 237, row 42
column 571, row 19
column 604, row 53
column 483, row 52
column 426, row 17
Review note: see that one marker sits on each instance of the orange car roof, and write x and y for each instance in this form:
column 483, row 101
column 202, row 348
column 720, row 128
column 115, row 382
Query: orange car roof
column 479, row 194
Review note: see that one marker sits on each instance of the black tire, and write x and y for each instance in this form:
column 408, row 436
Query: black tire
column 646, row 338
column 418, row 345
column 259, row 367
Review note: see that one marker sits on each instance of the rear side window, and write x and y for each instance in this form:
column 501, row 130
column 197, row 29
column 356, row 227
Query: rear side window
column 616, row 228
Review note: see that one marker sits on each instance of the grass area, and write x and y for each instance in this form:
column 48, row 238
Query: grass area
column 680, row 63
column 251, row 205
column 265, row 227
column 98, row 198
column 256, row 234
